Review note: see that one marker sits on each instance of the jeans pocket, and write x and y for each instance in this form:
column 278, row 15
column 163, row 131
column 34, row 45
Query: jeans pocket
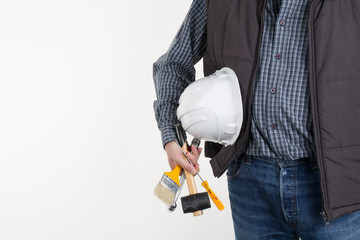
column 235, row 168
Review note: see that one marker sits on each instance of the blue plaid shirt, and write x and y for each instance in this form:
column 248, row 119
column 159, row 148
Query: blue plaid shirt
column 281, row 118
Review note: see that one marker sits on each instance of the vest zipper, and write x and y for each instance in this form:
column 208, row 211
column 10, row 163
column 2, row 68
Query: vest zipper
column 325, row 214
column 252, row 80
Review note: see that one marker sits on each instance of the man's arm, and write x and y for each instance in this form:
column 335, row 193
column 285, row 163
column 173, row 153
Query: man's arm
column 173, row 72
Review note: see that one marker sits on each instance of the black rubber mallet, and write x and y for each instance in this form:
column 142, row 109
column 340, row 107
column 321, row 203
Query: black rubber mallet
column 195, row 202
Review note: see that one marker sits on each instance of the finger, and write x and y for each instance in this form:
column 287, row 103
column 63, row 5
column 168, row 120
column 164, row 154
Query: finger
column 172, row 164
column 186, row 165
column 197, row 167
column 194, row 160
column 192, row 157
column 196, row 151
column 176, row 157
column 194, row 154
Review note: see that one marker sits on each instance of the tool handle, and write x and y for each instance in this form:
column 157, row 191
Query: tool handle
column 213, row 196
column 190, row 180
column 174, row 174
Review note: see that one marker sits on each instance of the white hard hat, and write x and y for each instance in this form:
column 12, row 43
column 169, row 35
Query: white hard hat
column 211, row 108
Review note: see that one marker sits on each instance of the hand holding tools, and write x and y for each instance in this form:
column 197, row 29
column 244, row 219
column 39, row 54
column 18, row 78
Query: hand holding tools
column 205, row 184
column 196, row 200
column 169, row 187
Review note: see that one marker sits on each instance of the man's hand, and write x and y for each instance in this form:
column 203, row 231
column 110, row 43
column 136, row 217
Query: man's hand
column 176, row 157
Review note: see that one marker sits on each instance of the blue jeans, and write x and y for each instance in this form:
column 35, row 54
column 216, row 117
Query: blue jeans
column 273, row 199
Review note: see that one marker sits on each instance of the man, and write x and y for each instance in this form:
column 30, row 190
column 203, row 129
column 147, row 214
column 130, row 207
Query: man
column 294, row 170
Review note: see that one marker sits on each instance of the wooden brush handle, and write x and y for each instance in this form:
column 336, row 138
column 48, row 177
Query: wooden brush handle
column 190, row 180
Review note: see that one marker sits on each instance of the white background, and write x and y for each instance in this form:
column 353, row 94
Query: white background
column 80, row 152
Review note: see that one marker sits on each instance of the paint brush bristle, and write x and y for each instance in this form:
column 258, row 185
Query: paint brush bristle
column 164, row 194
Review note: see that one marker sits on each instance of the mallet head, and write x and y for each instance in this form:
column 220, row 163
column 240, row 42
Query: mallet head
column 195, row 202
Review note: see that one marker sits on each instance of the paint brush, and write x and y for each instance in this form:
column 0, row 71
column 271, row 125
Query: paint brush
column 168, row 186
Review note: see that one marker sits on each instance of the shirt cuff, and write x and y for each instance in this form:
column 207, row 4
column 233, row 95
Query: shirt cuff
column 168, row 134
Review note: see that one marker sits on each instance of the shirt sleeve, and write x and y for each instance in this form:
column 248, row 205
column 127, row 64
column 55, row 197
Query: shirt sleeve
column 174, row 70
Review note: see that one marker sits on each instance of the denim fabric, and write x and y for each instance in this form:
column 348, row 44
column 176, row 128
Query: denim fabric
column 273, row 199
